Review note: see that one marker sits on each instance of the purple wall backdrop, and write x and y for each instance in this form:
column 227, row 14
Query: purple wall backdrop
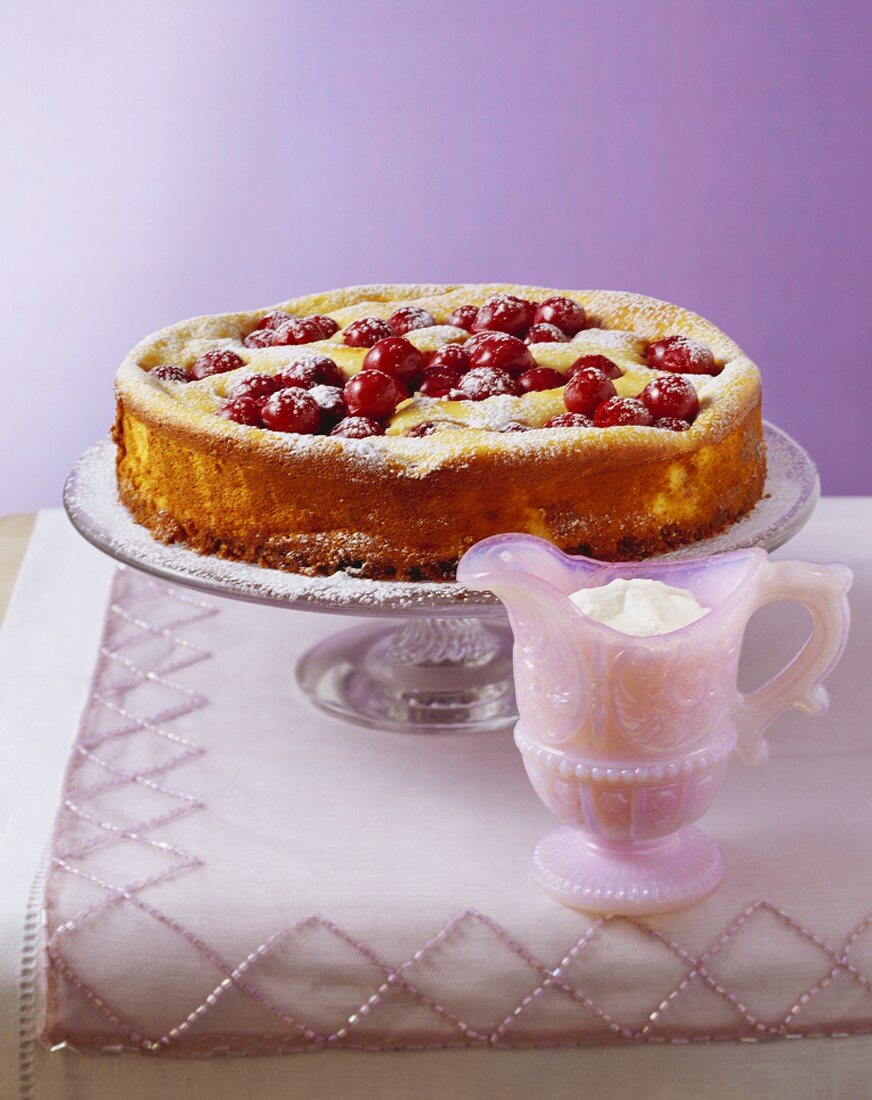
column 166, row 160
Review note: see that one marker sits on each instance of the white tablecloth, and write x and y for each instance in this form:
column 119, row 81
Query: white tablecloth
column 46, row 654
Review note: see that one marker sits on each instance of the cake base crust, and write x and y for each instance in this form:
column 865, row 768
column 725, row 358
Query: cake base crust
column 417, row 528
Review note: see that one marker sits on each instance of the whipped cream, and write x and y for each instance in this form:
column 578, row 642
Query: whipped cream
column 639, row 606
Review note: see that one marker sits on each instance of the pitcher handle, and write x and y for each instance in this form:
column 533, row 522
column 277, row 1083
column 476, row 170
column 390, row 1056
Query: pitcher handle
column 822, row 590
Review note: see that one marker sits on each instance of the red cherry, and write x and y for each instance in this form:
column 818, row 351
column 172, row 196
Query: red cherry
column 681, row 355
column 327, row 325
column 169, row 372
column 331, row 403
column 310, row 370
column 407, row 318
column 450, row 355
column 463, row 317
column 672, row 424
column 566, row 314
column 541, row 378
column 244, row 409
column 291, row 410
column 497, row 349
column 586, row 389
column 258, row 386
column 609, row 369
column 545, row 334
column 483, row 382
column 372, row 393
column 366, row 332
column 569, row 420
column 274, row 318
column 476, row 341
column 670, row 395
column 505, row 313
column 357, row 427
column 396, row 357
column 329, row 374
column 622, row 410
column 303, row 331
column 403, row 391
column 301, row 376
column 217, row 361
column 440, row 381
column 260, row 338
column 284, row 334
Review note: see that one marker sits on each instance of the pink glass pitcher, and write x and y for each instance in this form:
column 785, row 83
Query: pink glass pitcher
column 627, row 739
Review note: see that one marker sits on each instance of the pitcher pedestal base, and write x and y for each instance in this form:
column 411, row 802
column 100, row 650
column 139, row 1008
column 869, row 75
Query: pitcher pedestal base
column 652, row 877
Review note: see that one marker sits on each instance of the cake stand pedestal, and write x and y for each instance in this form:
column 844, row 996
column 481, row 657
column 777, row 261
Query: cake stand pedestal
column 444, row 664
column 428, row 674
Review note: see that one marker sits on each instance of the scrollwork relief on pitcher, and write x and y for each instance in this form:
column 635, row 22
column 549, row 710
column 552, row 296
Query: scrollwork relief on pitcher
column 551, row 676
column 662, row 702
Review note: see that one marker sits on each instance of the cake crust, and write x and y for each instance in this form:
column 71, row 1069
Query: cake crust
column 407, row 507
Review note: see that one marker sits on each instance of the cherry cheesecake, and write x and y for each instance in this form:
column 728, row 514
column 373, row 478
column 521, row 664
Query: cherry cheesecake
column 383, row 430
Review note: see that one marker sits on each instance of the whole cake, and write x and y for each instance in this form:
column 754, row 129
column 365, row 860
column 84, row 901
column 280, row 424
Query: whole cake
column 385, row 429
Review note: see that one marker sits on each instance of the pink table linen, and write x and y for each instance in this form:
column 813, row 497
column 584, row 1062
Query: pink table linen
column 234, row 871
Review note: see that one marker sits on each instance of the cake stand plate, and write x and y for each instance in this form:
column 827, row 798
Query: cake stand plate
column 447, row 666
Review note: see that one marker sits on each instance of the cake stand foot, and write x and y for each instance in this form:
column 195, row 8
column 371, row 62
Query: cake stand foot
column 428, row 675
column 654, row 876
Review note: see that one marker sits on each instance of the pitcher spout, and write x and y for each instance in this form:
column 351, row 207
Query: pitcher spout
column 509, row 562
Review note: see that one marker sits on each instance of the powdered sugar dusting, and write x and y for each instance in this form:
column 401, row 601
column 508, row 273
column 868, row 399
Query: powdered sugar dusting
column 605, row 339
column 435, row 336
column 696, row 352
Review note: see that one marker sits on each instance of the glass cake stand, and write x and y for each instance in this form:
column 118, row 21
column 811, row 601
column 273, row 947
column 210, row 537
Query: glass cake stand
column 444, row 662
